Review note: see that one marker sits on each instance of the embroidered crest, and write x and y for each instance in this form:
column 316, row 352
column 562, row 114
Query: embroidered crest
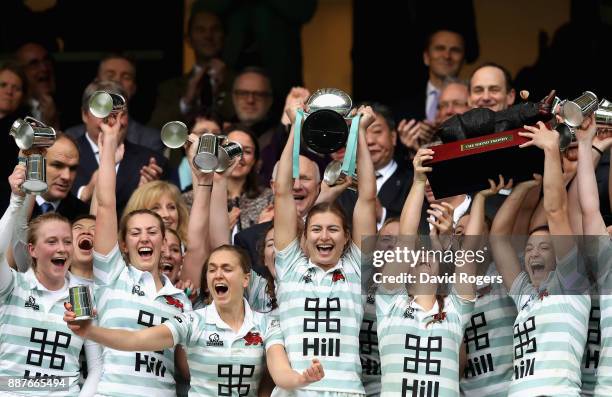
column 408, row 313
column 337, row 275
column 136, row 290
column 32, row 303
column 174, row 302
column 253, row 338
column 543, row 294
column 439, row 317
column 308, row 276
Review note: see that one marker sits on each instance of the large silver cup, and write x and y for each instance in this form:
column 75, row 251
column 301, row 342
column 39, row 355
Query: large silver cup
column 325, row 129
column 102, row 104
column 36, row 175
column 333, row 175
column 206, row 158
column 30, row 132
column 174, row 134
column 574, row 112
column 228, row 151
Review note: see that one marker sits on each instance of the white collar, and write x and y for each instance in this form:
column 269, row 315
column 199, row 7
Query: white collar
column 36, row 284
column 386, row 173
column 40, row 201
column 94, row 145
column 212, row 317
column 431, row 88
column 146, row 278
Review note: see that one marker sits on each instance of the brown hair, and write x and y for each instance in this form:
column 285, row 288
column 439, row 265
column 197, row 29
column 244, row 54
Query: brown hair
column 335, row 209
column 148, row 194
column 36, row 223
column 126, row 218
column 270, row 283
column 243, row 259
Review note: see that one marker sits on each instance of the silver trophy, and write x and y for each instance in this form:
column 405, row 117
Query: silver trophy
column 325, row 129
column 174, row 134
column 574, row 112
column 103, row 104
column 228, row 151
column 31, row 134
column 206, row 159
column 603, row 116
column 333, row 175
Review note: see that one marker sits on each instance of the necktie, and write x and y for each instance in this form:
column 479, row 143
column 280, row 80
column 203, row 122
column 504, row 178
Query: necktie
column 432, row 109
column 47, row 207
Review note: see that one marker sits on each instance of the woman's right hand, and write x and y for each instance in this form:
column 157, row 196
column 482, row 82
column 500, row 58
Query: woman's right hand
column 80, row 328
column 420, row 157
column 16, row 179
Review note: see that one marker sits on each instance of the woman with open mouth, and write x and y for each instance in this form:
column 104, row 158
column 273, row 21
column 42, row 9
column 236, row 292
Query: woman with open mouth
column 223, row 338
column 319, row 289
column 31, row 304
column 130, row 290
column 413, row 314
column 551, row 287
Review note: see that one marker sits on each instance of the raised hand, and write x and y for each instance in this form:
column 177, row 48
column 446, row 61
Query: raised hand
column 295, row 99
column 541, row 137
column 16, row 179
column 527, row 185
column 409, row 133
column 150, row 172
column 441, row 218
column 81, row 327
column 420, row 157
column 367, row 116
column 495, row 188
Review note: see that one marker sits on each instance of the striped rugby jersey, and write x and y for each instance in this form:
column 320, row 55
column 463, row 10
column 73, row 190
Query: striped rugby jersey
column 223, row 362
column 550, row 333
column 368, row 346
column 603, row 263
column 34, row 339
column 126, row 299
column 256, row 294
column 488, row 342
column 320, row 316
column 419, row 359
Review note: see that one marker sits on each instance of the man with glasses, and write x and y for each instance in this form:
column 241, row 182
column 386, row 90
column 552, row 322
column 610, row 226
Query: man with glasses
column 38, row 67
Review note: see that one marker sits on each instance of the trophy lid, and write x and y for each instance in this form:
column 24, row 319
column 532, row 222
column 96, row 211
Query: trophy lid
column 174, row 134
column 330, row 98
column 102, row 103
column 23, row 133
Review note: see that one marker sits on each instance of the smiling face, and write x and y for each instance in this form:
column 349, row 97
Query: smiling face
column 445, row 54
column 381, row 142
column 306, row 187
column 52, row 252
column 248, row 159
column 226, row 278
column 38, row 68
column 143, row 242
column 325, row 238
column 489, row 89
column 539, row 257
column 167, row 209
column 172, row 259
column 83, row 233
column 252, row 97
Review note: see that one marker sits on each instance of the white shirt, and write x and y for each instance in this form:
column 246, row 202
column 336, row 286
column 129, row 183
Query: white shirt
column 386, row 173
column 429, row 99
column 40, row 201
column 96, row 151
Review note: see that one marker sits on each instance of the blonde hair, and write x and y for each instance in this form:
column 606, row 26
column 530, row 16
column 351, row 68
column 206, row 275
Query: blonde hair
column 150, row 193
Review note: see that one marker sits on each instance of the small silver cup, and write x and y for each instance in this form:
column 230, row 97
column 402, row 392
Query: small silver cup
column 206, row 158
column 574, row 112
column 603, row 116
column 228, row 151
column 30, row 132
column 333, row 175
column 102, row 104
column 36, row 175
column 81, row 302
column 174, row 134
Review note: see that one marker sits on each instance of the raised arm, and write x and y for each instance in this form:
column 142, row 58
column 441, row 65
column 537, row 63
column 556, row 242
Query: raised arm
column 285, row 213
column 592, row 221
column 198, row 227
column 219, row 217
column 504, row 255
column 286, row 377
column 106, row 217
column 364, row 215
column 411, row 212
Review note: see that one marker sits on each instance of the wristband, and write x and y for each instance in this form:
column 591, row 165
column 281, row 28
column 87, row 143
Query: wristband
column 598, row 150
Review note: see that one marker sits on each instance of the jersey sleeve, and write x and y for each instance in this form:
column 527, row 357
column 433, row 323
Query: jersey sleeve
column 182, row 327
column 352, row 257
column 521, row 290
column 273, row 334
column 287, row 259
column 7, row 279
column 107, row 268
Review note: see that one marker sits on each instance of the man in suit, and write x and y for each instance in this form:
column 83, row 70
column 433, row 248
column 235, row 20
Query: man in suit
column 135, row 164
column 62, row 162
column 121, row 70
column 305, row 193
column 392, row 181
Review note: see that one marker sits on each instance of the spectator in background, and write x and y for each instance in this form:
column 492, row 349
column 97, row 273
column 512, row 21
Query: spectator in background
column 39, row 70
column 207, row 84
column 13, row 94
column 491, row 87
column 266, row 34
column 122, row 71
column 135, row 164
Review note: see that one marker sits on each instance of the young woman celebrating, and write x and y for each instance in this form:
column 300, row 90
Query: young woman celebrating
column 31, row 306
column 547, row 351
column 131, row 293
column 319, row 288
column 226, row 341
column 420, row 331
